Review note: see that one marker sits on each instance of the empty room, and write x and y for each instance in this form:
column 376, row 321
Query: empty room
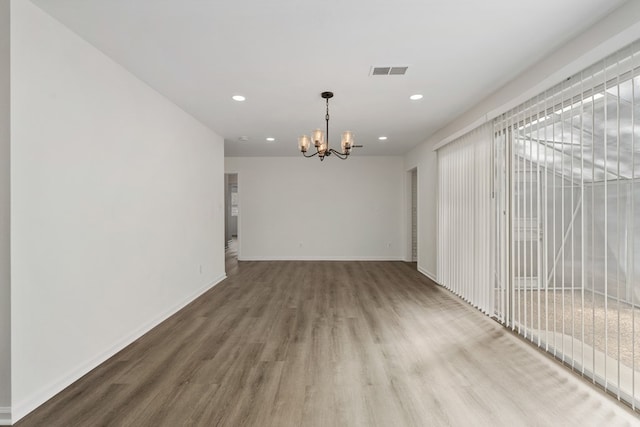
column 319, row 213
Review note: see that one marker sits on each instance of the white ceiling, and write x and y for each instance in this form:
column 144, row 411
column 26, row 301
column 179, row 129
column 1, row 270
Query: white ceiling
column 281, row 54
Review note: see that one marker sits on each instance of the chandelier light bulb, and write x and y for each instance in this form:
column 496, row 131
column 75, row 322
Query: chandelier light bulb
column 318, row 137
column 347, row 141
column 304, row 143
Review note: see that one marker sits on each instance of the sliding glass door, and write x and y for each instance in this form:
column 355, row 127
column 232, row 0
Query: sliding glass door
column 566, row 196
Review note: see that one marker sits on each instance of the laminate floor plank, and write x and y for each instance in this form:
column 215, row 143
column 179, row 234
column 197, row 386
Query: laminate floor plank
column 301, row 343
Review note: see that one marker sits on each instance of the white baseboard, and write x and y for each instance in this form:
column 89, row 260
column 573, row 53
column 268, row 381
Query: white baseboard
column 36, row 399
column 319, row 258
column 5, row 416
column 428, row 274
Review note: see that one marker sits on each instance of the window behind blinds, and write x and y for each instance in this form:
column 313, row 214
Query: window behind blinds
column 567, row 221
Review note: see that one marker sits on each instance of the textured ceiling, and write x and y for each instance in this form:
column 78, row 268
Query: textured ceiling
column 282, row 54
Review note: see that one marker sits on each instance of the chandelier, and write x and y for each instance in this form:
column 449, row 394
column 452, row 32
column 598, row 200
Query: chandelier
column 322, row 145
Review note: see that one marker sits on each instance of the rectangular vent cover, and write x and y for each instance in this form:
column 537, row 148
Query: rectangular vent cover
column 388, row 71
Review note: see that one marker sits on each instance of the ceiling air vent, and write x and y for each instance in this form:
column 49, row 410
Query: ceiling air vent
column 388, row 71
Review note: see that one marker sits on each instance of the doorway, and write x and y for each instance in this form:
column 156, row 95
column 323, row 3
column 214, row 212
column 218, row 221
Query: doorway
column 232, row 212
column 414, row 215
column 411, row 254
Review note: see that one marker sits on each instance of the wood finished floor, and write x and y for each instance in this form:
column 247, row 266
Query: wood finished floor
column 329, row 344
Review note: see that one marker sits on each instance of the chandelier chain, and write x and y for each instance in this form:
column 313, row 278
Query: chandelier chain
column 326, row 117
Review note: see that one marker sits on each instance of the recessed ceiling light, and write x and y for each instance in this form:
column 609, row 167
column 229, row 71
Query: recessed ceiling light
column 270, row 139
column 415, row 97
column 238, row 98
column 382, row 138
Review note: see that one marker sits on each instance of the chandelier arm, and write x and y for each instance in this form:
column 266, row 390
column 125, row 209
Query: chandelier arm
column 314, row 154
column 339, row 154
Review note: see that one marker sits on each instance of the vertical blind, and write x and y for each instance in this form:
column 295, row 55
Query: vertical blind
column 567, row 225
column 464, row 217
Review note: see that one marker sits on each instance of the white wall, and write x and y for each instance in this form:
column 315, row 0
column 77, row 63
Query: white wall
column 297, row 208
column 617, row 30
column 116, row 206
column 5, row 266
